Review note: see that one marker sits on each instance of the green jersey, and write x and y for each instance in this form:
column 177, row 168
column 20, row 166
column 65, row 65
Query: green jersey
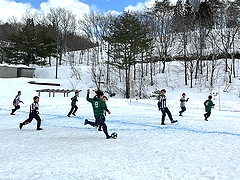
column 98, row 106
column 74, row 100
column 208, row 105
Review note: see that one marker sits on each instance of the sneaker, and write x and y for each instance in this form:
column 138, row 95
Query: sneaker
column 162, row 123
column 85, row 122
column 39, row 129
column 20, row 125
column 73, row 114
column 174, row 121
column 109, row 137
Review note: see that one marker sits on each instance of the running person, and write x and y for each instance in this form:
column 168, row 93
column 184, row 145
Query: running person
column 34, row 113
column 208, row 107
column 98, row 106
column 16, row 102
column 74, row 107
column 163, row 107
column 182, row 103
column 105, row 99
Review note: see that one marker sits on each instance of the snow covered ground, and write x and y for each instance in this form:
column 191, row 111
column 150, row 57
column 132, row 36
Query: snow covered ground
column 144, row 150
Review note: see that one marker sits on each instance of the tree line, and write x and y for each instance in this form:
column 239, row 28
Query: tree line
column 35, row 39
column 133, row 47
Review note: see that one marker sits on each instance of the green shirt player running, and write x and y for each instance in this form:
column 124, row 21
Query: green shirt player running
column 208, row 107
column 98, row 106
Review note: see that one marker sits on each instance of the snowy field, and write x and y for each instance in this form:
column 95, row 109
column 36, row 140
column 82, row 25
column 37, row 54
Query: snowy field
column 144, row 150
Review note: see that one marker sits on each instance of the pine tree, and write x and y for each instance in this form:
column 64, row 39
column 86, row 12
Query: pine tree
column 31, row 45
column 127, row 38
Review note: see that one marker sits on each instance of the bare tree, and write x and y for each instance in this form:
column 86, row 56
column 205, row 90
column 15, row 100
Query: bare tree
column 227, row 38
column 164, row 37
column 64, row 22
column 95, row 27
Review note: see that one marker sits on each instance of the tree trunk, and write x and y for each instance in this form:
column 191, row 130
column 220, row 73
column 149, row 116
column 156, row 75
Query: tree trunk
column 151, row 73
column 191, row 79
column 212, row 72
column 233, row 67
column 197, row 67
column 226, row 65
column 142, row 73
column 60, row 59
column 207, row 73
column 185, row 72
column 185, row 61
column 164, row 66
column 49, row 61
column 108, row 72
column 120, row 77
column 128, row 83
column 134, row 72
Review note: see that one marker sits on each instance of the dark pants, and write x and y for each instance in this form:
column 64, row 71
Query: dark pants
column 73, row 110
column 207, row 114
column 100, row 121
column 164, row 112
column 31, row 117
column 16, row 108
column 182, row 110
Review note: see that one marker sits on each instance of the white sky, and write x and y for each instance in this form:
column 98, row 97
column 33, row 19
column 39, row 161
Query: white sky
column 9, row 9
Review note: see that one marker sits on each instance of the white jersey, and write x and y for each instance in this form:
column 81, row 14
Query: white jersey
column 17, row 100
column 34, row 107
column 162, row 102
column 182, row 101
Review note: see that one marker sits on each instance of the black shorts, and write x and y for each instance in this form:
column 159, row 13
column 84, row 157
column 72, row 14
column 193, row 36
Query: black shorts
column 99, row 120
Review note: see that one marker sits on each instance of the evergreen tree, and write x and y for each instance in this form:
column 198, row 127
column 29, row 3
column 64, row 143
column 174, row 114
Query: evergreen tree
column 204, row 15
column 46, row 45
column 31, row 45
column 127, row 38
column 178, row 17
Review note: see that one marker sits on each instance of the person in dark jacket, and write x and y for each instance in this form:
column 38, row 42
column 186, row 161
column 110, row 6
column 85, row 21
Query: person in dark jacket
column 105, row 99
column 99, row 106
column 208, row 107
column 34, row 113
column 163, row 108
column 74, row 107
column 182, row 103
column 16, row 103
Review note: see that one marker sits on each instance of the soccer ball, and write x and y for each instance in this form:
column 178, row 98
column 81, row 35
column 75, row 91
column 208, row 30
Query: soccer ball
column 114, row 135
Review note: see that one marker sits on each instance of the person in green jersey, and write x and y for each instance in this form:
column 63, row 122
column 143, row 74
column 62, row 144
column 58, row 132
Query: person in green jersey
column 208, row 107
column 99, row 106
column 74, row 107
column 105, row 99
